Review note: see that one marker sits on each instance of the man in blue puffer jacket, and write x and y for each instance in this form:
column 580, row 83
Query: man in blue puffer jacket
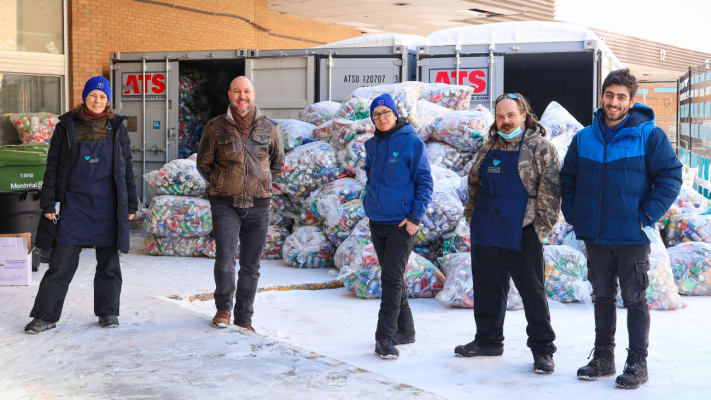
column 620, row 174
column 399, row 188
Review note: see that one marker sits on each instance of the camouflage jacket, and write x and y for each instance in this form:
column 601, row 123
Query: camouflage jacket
column 240, row 167
column 539, row 168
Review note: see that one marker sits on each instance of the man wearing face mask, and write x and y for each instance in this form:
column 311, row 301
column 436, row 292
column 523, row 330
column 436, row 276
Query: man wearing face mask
column 239, row 154
column 514, row 201
column 620, row 174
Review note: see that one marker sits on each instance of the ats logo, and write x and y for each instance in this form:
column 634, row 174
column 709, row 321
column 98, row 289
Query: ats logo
column 133, row 86
column 477, row 78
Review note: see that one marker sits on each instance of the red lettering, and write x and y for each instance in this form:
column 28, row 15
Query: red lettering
column 442, row 77
column 476, row 81
column 145, row 84
column 158, row 83
column 131, row 85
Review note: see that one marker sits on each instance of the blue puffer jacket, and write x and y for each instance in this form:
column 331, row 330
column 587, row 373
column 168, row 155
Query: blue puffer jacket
column 399, row 182
column 608, row 190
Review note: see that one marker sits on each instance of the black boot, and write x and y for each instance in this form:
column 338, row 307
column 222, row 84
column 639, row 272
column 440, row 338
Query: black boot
column 386, row 349
column 108, row 321
column 602, row 364
column 473, row 349
column 37, row 325
column 543, row 363
column 404, row 338
column 635, row 373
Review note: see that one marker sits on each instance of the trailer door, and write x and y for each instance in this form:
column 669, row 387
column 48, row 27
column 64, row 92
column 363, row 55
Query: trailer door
column 340, row 75
column 284, row 85
column 147, row 93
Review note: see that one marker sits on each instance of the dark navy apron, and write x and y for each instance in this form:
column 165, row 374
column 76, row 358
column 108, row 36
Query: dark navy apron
column 500, row 206
column 88, row 212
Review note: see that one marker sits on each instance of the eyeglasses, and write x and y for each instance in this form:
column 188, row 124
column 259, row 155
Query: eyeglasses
column 512, row 96
column 384, row 114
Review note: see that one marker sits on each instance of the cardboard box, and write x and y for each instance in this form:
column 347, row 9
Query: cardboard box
column 15, row 259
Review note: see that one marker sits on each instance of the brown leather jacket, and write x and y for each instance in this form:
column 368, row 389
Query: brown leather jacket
column 240, row 168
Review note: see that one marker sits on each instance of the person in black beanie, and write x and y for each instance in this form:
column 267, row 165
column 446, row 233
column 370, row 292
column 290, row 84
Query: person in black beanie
column 90, row 175
column 398, row 190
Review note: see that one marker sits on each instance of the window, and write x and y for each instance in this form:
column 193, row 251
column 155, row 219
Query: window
column 30, row 93
column 32, row 26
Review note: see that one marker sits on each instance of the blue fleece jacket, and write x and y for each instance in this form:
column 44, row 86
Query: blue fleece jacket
column 609, row 191
column 399, row 182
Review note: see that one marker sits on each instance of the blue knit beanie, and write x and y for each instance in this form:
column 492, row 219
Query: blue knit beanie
column 383, row 100
column 96, row 83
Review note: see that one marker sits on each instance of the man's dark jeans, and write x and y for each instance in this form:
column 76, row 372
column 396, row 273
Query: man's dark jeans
column 249, row 226
column 607, row 262
column 393, row 246
column 62, row 266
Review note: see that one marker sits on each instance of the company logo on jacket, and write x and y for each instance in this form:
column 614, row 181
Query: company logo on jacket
column 91, row 160
column 495, row 167
column 394, row 158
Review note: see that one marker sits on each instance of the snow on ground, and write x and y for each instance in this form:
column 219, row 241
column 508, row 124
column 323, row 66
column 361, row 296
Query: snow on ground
column 311, row 344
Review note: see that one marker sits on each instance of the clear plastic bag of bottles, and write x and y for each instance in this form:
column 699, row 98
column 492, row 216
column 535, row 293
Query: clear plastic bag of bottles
column 354, row 108
column 353, row 157
column 282, row 212
column 178, row 216
column 340, row 220
column 405, row 95
column 308, row 247
column 453, row 97
column 443, row 213
column 465, row 130
column 445, row 180
column 566, row 274
column 458, row 290
column 276, row 235
column 422, row 278
column 691, row 266
column 295, row 133
column 351, row 253
column 176, row 246
column 560, row 230
column 344, row 130
column 319, row 113
column 308, row 167
column 34, row 128
column 662, row 293
column 179, row 178
column 560, row 126
column 459, row 240
column 428, row 116
column 323, row 131
column 446, row 156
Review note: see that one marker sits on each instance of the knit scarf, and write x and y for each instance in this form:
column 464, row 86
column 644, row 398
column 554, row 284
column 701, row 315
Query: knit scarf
column 244, row 122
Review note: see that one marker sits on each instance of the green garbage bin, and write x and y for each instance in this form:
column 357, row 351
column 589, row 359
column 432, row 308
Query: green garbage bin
column 22, row 166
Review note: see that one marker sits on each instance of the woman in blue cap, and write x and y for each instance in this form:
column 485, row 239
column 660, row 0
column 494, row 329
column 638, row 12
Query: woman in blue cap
column 398, row 190
column 90, row 175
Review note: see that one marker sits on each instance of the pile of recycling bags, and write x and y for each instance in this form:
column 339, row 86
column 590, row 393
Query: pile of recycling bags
column 34, row 128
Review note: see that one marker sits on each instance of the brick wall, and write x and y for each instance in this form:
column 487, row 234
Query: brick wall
column 97, row 29
column 661, row 97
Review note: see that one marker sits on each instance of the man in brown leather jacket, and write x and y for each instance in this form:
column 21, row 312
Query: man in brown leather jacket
column 240, row 152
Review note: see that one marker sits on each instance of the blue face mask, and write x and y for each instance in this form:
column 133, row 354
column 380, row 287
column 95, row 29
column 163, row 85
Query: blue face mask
column 511, row 135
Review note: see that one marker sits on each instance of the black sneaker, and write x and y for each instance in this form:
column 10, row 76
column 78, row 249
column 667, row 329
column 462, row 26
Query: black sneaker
column 108, row 321
column 404, row 338
column 37, row 325
column 386, row 349
column 473, row 349
column 602, row 364
column 543, row 363
column 635, row 373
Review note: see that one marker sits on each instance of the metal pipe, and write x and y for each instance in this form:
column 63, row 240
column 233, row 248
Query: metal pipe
column 143, row 120
column 165, row 125
column 492, row 61
column 690, row 103
column 330, row 64
column 65, row 46
column 456, row 64
column 676, row 138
